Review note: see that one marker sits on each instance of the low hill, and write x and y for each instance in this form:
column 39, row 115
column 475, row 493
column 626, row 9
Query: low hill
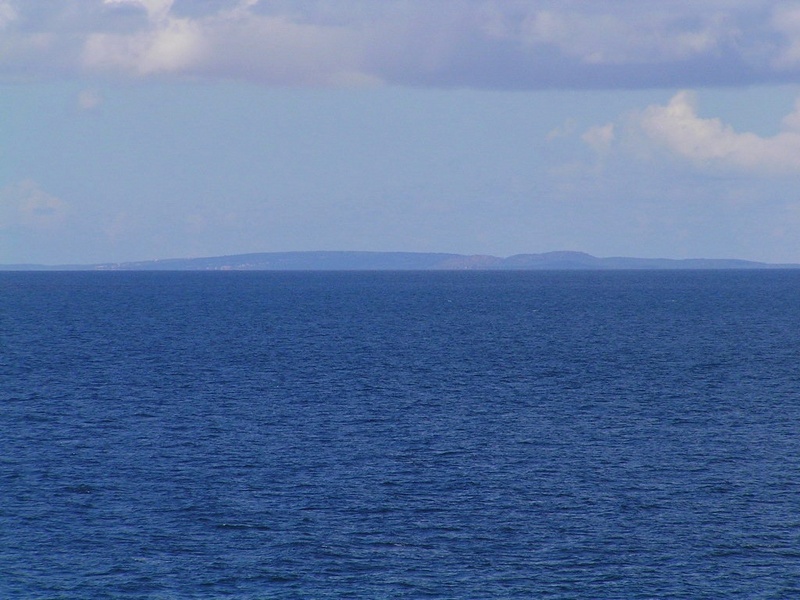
column 405, row 261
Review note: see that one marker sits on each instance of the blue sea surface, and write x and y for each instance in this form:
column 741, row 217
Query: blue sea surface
column 400, row 435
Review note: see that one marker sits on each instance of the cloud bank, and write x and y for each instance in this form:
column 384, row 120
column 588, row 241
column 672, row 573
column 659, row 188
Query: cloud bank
column 494, row 44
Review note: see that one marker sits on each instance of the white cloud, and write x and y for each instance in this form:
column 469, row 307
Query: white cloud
column 26, row 205
column 232, row 43
column 7, row 14
column 711, row 142
column 599, row 138
column 169, row 45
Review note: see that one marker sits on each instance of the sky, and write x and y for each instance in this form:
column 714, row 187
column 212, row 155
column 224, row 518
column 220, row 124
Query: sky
column 144, row 129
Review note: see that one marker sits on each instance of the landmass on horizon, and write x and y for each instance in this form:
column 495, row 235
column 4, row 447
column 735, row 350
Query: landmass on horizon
column 407, row 261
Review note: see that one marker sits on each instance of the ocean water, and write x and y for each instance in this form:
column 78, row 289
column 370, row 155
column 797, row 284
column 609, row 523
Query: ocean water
column 400, row 435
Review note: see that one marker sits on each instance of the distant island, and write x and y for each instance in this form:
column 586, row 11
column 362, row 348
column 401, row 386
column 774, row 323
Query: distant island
column 407, row 261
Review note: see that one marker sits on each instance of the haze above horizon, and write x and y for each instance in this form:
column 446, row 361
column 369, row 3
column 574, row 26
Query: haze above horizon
column 133, row 130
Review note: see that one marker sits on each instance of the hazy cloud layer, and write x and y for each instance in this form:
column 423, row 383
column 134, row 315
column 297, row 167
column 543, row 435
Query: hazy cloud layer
column 507, row 44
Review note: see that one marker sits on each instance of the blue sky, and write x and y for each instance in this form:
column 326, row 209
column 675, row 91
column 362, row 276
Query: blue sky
column 141, row 129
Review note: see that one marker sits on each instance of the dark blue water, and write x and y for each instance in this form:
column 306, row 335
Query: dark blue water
column 400, row 435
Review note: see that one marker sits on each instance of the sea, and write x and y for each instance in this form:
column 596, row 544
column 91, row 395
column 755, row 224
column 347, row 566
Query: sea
column 575, row 434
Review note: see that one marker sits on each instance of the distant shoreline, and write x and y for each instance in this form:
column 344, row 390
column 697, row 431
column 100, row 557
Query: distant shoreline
column 408, row 261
